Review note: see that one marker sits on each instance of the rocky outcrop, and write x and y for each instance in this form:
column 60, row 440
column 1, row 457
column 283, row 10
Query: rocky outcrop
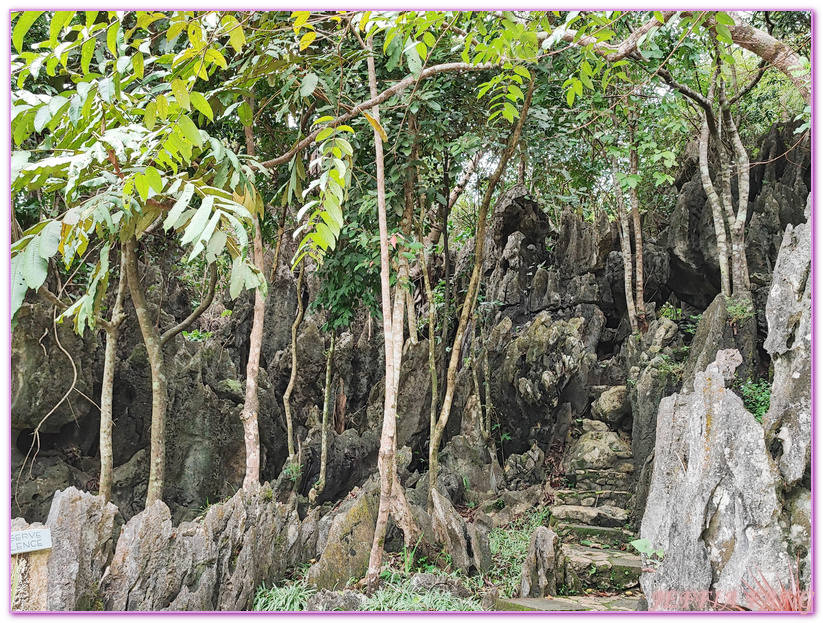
column 344, row 553
column 714, row 505
column 788, row 312
column 215, row 562
column 83, row 533
column 327, row 601
column 543, row 569
column 467, row 544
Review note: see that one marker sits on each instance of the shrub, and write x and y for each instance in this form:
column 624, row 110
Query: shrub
column 756, row 397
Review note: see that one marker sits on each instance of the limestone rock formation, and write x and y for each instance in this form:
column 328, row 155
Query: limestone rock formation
column 543, row 569
column 713, row 505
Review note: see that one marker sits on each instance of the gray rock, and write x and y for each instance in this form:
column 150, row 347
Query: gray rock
column 603, row 516
column 424, row 582
column 215, row 562
column 345, row 552
column 598, row 450
column 327, row 601
column 543, row 569
column 713, row 505
column 612, row 405
column 788, row 312
column 83, row 533
column 469, row 549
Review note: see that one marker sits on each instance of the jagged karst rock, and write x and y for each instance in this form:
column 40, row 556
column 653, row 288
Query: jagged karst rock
column 603, row 516
column 351, row 459
column 343, row 555
column 83, row 533
column 41, row 373
column 713, row 505
column 599, row 450
column 543, row 569
column 788, row 312
column 67, row 576
column 466, row 544
column 213, row 563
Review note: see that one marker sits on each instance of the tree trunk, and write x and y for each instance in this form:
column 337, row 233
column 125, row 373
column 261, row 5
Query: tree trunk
column 248, row 416
column 293, row 376
column 740, row 268
column 465, row 314
column 432, row 339
column 639, row 298
column 625, row 247
column 771, row 50
column 392, row 496
column 112, row 328
column 324, row 428
column 159, row 390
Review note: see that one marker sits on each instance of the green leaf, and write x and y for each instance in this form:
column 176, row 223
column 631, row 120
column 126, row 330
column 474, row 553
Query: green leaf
column 570, row 97
column 24, row 22
column 105, row 88
column 244, row 114
column 429, row 39
column 308, row 85
column 723, row 33
column 58, row 22
column 658, row 15
column 111, row 38
column 154, row 179
column 86, row 54
column 35, row 268
column 50, row 239
column 180, row 205
column 238, row 277
column 202, row 104
column 198, row 221
column 723, row 18
column 19, row 287
column 376, row 125
column 142, row 186
column 306, row 40
column 42, row 118
column 189, row 130
column 181, row 93
column 151, row 115
column 137, row 64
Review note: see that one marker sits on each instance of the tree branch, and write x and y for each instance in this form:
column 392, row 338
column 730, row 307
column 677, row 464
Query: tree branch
column 751, row 85
column 376, row 100
column 204, row 305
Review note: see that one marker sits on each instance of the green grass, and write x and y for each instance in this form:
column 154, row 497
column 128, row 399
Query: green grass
column 395, row 597
column 509, row 545
column 290, row 597
column 757, row 396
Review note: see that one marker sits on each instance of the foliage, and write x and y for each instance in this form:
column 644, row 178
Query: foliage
column 509, row 545
column 756, row 397
column 196, row 335
column 739, row 310
column 652, row 556
column 291, row 597
column 398, row 597
column 764, row 596
column 292, row 471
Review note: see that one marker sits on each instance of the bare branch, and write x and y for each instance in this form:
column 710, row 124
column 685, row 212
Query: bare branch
column 204, row 305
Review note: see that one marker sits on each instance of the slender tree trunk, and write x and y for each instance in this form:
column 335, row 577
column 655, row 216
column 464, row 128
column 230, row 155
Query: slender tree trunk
column 324, row 428
column 471, row 292
column 639, row 302
column 432, row 339
column 112, row 328
column 392, row 496
column 625, row 247
column 248, row 416
column 293, row 376
column 740, row 267
column 159, row 388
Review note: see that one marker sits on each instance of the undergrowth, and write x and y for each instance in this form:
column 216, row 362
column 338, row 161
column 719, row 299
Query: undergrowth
column 509, row 545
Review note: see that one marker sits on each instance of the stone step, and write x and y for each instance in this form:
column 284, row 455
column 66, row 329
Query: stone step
column 603, row 536
column 618, row 603
column 608, row 570
column 584, row 497
column 603, row 516
column 596, row 480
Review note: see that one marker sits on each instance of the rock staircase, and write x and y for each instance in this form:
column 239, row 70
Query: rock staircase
column 590, row 515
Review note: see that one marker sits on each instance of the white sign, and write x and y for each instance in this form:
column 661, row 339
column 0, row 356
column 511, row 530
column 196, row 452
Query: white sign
column 30, row 540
